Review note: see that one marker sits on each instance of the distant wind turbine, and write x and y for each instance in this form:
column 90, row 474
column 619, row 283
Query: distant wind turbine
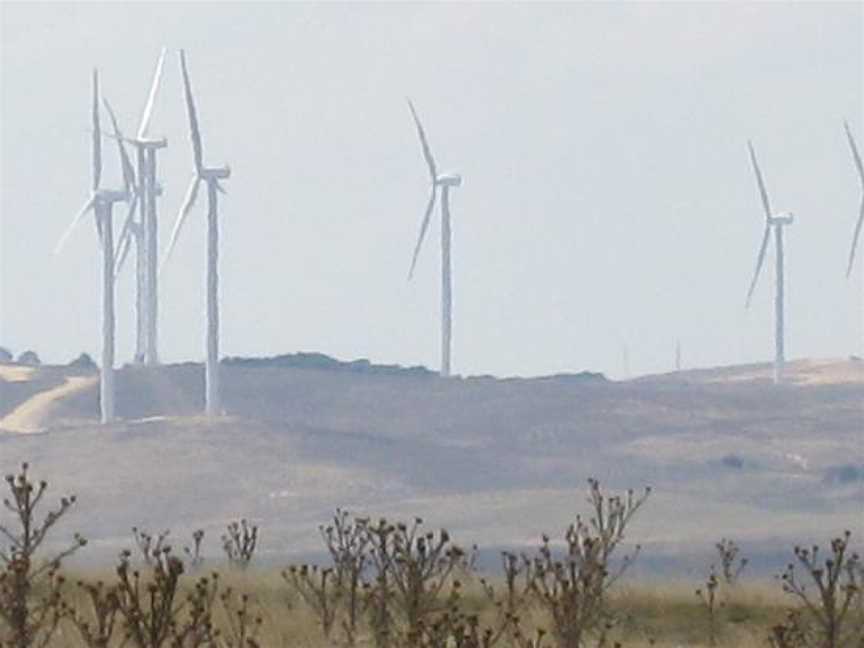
column 210, row 175
column 145, row 231
column 778, row 222
column 101, row 202
column 860, row 221
column 445, row 181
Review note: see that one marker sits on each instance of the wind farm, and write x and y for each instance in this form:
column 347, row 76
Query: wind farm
column 463, row 259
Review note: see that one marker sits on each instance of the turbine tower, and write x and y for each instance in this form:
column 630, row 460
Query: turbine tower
column 445, row 181
column 101, row 202
column 860, row 221
column 212, row 176
column 145, row 231
column 777, row 222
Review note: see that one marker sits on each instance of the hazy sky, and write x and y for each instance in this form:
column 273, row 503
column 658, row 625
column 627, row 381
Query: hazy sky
column 607, row 197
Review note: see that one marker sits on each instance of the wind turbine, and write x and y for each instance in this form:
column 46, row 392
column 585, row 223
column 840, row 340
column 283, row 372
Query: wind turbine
column 145, row 231
column 101, row 202
column 860, row 220
column 445, row 181
column 777, row 222
column 212, row 176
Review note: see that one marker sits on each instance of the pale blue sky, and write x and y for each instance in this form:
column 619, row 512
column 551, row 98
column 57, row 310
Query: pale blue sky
column 607, row 194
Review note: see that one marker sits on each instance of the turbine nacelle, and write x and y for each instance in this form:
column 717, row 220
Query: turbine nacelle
column 783, row 218
column 111, row 196
column 153, row 144
column 220, row 173
column 448, row 180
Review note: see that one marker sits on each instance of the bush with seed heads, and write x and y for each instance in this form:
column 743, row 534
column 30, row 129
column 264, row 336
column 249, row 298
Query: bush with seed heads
column 708, row 597
column 413, row 566
column 31, row 602
column 150, row 545
column 572, row 588
column 239, row 543
column 835, row 605
column 193, row 554
column 730, row 565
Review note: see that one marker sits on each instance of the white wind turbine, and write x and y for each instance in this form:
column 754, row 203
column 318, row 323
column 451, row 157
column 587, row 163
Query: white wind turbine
column 445, row 181
column 101, row 202
column 210, row 175
column 777, row 222
column 144, row 231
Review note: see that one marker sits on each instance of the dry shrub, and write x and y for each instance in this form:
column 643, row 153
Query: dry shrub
column 31, row 601
column 572, row 588
column 834, row 608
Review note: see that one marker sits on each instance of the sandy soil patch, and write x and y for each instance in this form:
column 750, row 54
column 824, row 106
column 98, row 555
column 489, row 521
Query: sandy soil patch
column 28, row 417
column 16, row 373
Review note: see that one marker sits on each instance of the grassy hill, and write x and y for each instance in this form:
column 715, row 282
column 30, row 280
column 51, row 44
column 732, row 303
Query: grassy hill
column 497, row 461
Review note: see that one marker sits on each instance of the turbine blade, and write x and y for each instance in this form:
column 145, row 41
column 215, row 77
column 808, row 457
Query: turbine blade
column 191, row 194
column 112, row 136
column 193, row 116
column 123, row 251
column 759, row 261
column 759, row 180
column 97, row 138
column 427, row 153
column 125, row 239
column 423, row 227
column 125, row 162
column 87, row 207
column 98, row 222
column 855, row 237
column 151, row 98
column 854, row 151
column 220, row 188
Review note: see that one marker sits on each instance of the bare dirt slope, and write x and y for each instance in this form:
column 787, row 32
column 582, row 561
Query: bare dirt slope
column 34, row 414
column 497, row 461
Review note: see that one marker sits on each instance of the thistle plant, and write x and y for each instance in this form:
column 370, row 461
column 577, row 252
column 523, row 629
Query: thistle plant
column 239, row 543
column 834, row 592
column 708, row 597
column 317, row 589
column 149, row 606
column 150, row 545
column 572, row 588
column 415, row 565
column 242, row 626
column 514, row 599
column 194, row 557
column 348, row 545
column 730, row 565
column 31, row 602
column 96, row 629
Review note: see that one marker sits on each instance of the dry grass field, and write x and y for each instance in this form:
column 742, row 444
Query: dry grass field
column 664, row 615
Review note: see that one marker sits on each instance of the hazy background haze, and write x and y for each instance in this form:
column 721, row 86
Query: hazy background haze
column 607, row 198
